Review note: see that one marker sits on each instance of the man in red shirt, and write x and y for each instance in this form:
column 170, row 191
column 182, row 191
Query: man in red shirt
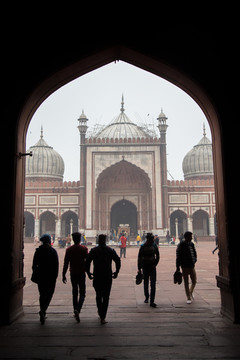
column 123, row 246
column 76, row 255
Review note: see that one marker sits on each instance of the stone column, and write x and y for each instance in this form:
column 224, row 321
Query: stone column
column 211, row 226
column 37, row 228
column 57, row 228
column 190, row 223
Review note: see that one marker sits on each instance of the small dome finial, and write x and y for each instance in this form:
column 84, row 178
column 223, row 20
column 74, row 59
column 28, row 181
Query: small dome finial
column 204, row 130
column 122, row 105
column 41, row 136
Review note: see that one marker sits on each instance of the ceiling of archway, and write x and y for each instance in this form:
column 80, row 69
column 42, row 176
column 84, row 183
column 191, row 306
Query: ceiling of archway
column 123, row 176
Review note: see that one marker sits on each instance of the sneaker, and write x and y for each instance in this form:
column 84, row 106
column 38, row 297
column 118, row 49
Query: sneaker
column 146, row 301
column 189, row 301
column 76, row 314
column 42, row 317
column 103, row 322
column 153, row 305
column 192, row 296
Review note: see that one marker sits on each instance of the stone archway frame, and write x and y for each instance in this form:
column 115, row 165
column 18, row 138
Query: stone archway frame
column 196, row 214
column 148, row 63
column 65, row 214
column 114, row 195
column 173, row 215
column 42, row 214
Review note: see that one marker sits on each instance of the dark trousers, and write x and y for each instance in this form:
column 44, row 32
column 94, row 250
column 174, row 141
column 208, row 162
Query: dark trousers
column 103, row 290
column 122, row 252
column 150, row 274
column 46, row 291
column 78, row 290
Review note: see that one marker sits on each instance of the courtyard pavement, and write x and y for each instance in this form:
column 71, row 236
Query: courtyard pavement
column 174, row 330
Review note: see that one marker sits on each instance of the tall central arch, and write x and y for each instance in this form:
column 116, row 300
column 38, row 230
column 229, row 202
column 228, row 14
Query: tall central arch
column 123, row 183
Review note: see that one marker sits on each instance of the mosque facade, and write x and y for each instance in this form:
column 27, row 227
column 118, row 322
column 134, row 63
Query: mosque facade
column 123, row 185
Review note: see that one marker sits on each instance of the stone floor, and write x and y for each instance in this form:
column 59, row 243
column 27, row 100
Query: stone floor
column 174, row 330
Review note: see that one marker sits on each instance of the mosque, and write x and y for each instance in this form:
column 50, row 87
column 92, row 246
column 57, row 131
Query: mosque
column 123, row 185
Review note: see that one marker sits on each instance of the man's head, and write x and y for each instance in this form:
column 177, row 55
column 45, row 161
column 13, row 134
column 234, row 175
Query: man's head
column 150, row 238
column 102, row 239
column 76, row 236
column 45, row 239
column 188, row 235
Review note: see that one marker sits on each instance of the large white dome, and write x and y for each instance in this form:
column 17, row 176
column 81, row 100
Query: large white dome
column 45, row 162
column 122, row 127
column 198, row 162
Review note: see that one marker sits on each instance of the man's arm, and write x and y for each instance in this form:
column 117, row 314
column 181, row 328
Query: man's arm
column 35, row 261
column 178, row 256
column 195, row 252
column 140, row 258
column 157, row 256
column 65, row 267
column 56, row 263
column 117, row 261
column 89, row 259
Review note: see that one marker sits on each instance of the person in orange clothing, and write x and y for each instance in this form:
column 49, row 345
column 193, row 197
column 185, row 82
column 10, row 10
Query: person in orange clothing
column 123, row 246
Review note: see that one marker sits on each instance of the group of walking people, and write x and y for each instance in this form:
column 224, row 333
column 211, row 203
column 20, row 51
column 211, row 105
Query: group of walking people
column 79, row 260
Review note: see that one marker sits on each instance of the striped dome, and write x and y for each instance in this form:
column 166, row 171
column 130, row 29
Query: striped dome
column 45, row 162
column 122, row 127
column 198, row 162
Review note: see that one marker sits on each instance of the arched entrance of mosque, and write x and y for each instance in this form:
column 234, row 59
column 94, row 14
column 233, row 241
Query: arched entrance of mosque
column 178, row 223
column 46, row 87
column 47, row 223
column 124, row 212
column 128, row 186
column 69, row 223
column 28, row 225
column 200, row 223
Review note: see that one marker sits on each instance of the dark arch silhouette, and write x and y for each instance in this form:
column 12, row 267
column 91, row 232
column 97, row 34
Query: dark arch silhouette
column 124, row 212
column 171, row 68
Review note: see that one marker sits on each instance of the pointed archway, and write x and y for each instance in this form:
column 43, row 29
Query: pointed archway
column 62, row 73
column 119, row 182
column 200, row 223
column 69, row 223
column 178, row 219
column 124, row 212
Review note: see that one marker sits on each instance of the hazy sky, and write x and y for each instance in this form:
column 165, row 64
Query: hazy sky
column 99, row 94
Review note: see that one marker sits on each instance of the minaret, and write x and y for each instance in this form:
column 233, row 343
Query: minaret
column 82, row 127
column 162, row 126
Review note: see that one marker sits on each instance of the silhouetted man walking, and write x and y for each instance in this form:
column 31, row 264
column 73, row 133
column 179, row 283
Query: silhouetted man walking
column 148, row 258
column 45, row 273
column 102, row 257
column 76, row 256
column 186, row 257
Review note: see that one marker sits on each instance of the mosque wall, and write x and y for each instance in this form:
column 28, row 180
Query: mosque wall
column 155, row 199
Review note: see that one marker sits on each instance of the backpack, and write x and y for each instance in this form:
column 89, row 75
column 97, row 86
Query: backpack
column 148, row 255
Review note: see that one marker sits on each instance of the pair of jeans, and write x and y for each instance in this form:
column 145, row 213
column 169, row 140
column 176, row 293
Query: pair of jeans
column 150, row 273
column 103, row 289
column 78, row 290
column 122, row 252
column 46, row 290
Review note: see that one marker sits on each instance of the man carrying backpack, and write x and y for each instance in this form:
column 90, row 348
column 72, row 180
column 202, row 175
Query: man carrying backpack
column 148, row 258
